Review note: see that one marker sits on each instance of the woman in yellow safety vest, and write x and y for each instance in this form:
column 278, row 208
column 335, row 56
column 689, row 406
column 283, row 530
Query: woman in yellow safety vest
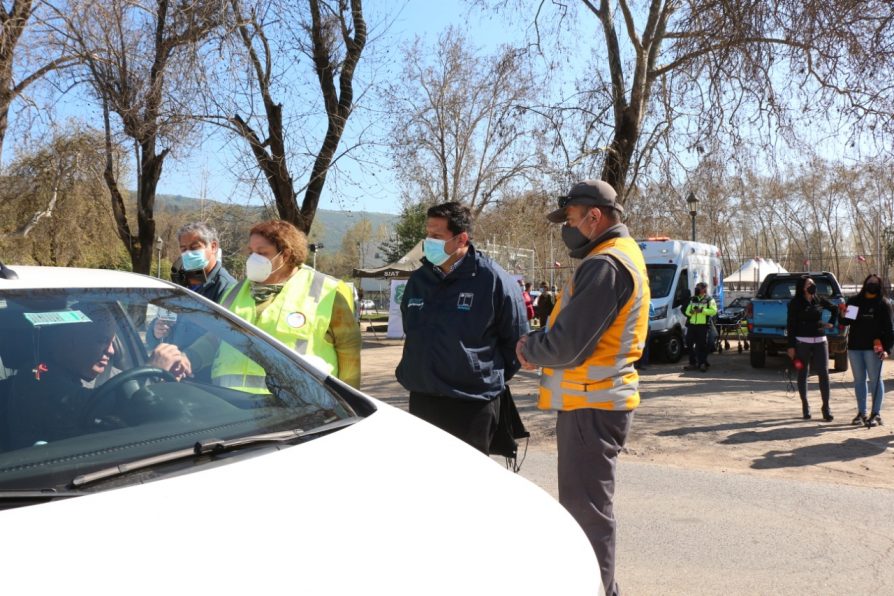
column 303, row 308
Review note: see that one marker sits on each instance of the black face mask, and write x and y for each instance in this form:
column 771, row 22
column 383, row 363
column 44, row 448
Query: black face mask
column 812, row 290
column 573, row 238
column 873, row 288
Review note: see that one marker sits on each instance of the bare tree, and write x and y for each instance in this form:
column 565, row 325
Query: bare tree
column 462, row 130
column 137, row 56
column 332, row 34
column 694, row 70
column 18, row 52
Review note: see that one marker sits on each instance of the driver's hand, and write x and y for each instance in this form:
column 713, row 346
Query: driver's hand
column 169, row 357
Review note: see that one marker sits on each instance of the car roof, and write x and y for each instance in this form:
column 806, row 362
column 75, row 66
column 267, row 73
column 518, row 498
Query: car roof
column 31, row 277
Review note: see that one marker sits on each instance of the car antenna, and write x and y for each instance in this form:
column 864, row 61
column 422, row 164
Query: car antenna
column 7, row 273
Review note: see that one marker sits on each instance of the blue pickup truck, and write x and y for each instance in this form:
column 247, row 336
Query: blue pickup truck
column 768, row 312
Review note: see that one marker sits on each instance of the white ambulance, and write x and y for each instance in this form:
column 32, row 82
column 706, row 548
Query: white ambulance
column 675, row 266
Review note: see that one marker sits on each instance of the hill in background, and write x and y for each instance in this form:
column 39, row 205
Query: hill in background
column 329, row 226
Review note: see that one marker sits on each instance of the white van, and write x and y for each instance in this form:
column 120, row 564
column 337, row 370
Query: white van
column 675, row 266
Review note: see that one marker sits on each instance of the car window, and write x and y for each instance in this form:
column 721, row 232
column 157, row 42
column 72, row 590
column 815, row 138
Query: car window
column 81, row 385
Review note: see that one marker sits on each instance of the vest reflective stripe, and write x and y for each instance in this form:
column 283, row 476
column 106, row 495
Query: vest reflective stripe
column 299, row 316
column 247, row 381
column 607, row 379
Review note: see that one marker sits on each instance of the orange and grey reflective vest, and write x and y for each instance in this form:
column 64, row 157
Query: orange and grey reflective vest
column 607, row 379
column 298, row 316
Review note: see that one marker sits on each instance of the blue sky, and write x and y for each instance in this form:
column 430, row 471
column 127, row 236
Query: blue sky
column 371, row 188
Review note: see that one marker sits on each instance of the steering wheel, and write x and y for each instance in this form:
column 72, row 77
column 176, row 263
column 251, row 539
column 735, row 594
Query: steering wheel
column 110, row 388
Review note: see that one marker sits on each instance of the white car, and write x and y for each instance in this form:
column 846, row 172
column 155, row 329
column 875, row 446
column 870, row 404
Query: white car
column 118, row 478
column 367, row 304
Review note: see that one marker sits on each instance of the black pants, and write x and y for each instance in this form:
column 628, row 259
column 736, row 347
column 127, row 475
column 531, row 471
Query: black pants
column 589, row 442
column 816, row 358
column 697, row 338
column 473, row 421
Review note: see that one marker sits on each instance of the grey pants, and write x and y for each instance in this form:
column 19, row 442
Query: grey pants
column 589, row 442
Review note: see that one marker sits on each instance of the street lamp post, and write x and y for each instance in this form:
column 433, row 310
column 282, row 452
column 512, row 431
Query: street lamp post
column 160, row 244
column 693, row 203
column 314, row 247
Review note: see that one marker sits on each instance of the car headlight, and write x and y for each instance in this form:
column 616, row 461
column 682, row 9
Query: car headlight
column 660, row 313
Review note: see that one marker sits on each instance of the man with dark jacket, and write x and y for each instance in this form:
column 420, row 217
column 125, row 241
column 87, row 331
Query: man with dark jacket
column 202, row 272
column 462, row 316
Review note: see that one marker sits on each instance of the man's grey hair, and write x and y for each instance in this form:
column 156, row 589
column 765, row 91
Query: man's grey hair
column 206, row 233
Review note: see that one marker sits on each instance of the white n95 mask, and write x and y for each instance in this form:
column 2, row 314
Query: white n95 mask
column 258, row 267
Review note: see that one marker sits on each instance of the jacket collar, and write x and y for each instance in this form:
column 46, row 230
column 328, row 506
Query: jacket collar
column 618, row 230
column 468, row 267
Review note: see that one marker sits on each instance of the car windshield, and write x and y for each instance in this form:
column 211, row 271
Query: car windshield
column 661, row 278
column 84, row 382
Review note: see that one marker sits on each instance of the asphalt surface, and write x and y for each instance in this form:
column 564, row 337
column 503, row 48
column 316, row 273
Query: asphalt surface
column 774, row 515
column 683, row 531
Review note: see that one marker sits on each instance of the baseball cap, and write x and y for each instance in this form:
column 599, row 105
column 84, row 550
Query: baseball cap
column 595, row 193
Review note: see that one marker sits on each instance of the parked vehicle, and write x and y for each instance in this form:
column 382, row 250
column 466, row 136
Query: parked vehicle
column 117, row 477
column 768, row 313
column 674, row 267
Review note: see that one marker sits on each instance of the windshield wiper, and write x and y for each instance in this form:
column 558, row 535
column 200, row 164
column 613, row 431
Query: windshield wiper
column 37, row 493
column 208, row 447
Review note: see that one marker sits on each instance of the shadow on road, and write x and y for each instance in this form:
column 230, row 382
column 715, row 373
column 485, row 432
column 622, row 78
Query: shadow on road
column 688, row 430
column 809, row 455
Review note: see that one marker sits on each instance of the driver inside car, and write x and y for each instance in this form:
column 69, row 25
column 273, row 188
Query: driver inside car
column 74, row 360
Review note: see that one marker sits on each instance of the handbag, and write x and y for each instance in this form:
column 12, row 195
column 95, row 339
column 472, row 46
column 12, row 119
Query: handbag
column 510, row 429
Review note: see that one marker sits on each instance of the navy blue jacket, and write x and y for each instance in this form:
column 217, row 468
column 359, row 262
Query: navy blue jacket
column 461, row 329
column 183, row 332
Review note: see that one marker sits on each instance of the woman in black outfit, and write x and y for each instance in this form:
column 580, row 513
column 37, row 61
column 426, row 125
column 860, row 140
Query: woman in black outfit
column 807, row 340
column 870, row 340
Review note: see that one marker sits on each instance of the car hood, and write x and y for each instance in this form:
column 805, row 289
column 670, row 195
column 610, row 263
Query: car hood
column 389, row 504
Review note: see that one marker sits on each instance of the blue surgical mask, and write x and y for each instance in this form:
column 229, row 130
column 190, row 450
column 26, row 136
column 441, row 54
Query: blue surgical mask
column 194, row 260
column 434, row 251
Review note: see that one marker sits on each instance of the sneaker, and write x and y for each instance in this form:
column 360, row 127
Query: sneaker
column 827, row 415
column 874, row 420
column 690, row 367
column 859, row 419
column 703, row 368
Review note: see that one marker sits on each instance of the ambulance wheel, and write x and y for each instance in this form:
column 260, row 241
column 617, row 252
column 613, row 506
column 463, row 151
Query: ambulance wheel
column 673, row 348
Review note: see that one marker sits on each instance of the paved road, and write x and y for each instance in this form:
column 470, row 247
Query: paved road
column 684, row 531
column 695, row 531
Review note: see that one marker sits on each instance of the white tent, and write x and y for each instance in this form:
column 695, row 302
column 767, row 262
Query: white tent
column 754, row 271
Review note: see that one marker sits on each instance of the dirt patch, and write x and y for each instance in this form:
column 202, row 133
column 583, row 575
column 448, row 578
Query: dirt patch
column 732, row 417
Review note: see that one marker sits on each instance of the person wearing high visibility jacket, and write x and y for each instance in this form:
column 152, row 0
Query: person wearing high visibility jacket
column 587, row 351
column 698, row 320
column 301, row 307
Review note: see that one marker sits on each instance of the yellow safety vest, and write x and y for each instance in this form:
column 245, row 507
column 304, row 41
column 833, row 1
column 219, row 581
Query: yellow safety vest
column 298, row 316
column 607, row 379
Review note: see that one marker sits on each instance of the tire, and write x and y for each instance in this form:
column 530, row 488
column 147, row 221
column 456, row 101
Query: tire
column 841, row 363
column 673, row 348
column 757, row 354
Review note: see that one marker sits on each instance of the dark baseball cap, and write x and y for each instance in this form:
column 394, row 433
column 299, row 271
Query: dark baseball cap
column 595, row 193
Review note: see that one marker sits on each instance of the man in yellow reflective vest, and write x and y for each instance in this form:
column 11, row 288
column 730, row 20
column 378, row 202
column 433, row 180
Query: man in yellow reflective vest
column 587, row 352
column 698, row 322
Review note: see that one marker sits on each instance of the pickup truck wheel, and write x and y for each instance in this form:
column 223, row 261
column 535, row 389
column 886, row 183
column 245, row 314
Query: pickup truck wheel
column 841, row 362
column 757, row 354
column 673, row 348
